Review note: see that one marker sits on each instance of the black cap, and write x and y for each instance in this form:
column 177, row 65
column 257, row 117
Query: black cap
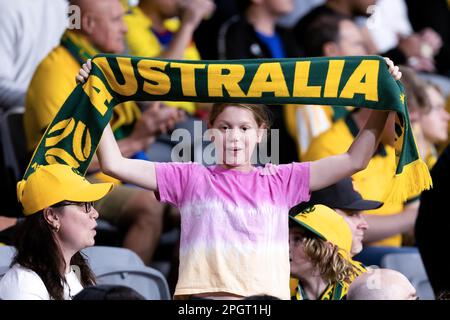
column 338, row 196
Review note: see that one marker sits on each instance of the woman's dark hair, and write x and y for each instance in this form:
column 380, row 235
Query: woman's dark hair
column 108, row 292
column 38, row 250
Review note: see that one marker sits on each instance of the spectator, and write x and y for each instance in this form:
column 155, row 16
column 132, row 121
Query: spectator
column 319, row 247
column 219, row 203
column 433, row 225
column 344, row 8
column 206, row 34
column 407, row 47
column 429, row 119
column 29, row 30
column 254, row 34
column 392, row 32
column 388, row 222
column 347, row 202
column 382, row 284
column 60, row 221
column 134, row 211
column 434, row 15
column 164, row 29
column 108, row 292
column 328, row 35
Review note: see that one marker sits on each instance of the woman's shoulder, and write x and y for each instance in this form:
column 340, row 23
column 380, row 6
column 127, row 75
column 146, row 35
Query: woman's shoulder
column 22, row 283
column 20, row 272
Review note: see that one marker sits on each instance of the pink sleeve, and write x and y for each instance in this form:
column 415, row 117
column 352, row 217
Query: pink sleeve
column 172, row 179
column 296, row 182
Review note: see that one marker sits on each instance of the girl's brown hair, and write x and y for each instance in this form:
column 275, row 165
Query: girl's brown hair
column 259, row 111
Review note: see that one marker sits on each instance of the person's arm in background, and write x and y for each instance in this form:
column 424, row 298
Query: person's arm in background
column 193, row 12
column 11, row 93
column 385, row 226
column 154, row 121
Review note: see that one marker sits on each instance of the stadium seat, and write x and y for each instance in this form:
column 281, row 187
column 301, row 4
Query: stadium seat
column 112, row 265
column 411, row 265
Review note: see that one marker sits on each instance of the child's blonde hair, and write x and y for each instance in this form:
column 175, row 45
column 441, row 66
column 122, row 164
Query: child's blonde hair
column 260, row 112
column 326, row 258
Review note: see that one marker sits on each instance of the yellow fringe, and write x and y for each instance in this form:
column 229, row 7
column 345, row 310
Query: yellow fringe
column 414, row 179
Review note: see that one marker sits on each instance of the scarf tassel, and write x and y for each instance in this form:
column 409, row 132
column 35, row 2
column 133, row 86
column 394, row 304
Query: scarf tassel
column 414, row 178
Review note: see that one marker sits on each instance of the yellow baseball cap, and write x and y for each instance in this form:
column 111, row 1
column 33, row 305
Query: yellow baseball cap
column 328, row 225
column 54, row 183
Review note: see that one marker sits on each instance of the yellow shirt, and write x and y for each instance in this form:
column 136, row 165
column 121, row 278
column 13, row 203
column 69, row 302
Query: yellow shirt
column 372, row 182
column 143, row 42
column 359, row 269
column 52, row 83
column 305, row 122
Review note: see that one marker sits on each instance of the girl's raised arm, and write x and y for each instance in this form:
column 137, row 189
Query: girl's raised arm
column 138, row 172
column 329, row 170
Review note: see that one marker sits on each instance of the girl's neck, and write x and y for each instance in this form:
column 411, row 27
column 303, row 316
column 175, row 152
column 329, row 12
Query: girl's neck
column 313, row 286
column 242, row 168
column 262, row 20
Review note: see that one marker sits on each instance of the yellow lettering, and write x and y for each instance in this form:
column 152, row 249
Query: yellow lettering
column 130, row 85
column 52, row 154
column 67, row 125
column 367, row 70
column 158, row 82
column 261, row 83
column 333, row 79
column 77, row 145
column 98, row 94
column 301, row 87
column 188, row 76
column 217, row 81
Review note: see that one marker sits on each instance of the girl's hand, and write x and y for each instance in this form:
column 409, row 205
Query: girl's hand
column 83, row 74
column 393, row 69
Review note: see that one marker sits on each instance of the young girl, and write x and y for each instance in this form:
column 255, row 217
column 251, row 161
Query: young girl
column 234, row 217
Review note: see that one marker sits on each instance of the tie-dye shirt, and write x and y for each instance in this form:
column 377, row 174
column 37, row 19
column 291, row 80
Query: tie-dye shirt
column 234, row 225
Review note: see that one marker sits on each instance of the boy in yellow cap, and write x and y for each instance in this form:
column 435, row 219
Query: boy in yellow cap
column 60, row 221
column 319, row 248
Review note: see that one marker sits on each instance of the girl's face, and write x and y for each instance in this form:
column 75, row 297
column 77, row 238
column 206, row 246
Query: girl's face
column 435, row 123
column 300, row 263
column 77, row 227
column 235, row 134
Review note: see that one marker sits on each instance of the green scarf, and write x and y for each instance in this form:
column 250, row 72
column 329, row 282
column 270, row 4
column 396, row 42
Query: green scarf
column 81, row 50
column 74, row 134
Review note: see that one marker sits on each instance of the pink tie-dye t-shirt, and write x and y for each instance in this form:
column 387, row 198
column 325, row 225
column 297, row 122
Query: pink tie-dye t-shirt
column 234, row 225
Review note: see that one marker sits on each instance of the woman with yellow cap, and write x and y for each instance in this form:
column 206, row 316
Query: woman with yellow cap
column 319, row 248
column 60, row 221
